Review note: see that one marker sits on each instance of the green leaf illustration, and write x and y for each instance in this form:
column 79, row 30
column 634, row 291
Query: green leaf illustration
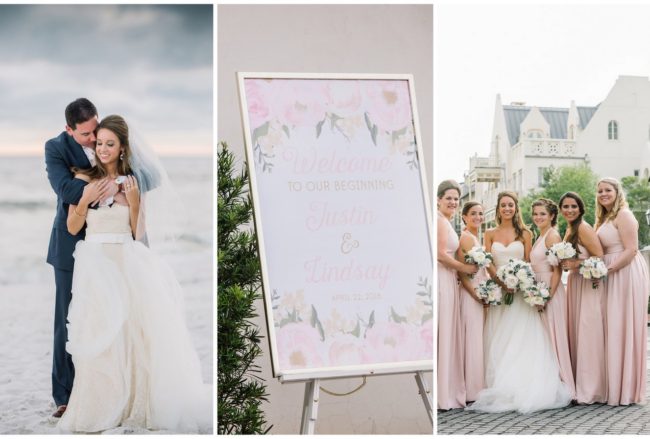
column 368, row 122
column 260, row 131
column 373, row 134
column 319, row 127
column 371, row 319
column 357, row 330
column 396, row 317
column 286, row 130
column 397, row 134
column 315, row 322
column 427, row 317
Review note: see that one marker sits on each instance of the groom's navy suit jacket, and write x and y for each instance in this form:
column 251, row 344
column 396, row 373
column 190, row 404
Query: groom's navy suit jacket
column 62, row 153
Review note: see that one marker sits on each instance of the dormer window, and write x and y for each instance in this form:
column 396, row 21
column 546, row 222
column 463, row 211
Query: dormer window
column 612, row 130
column 535, row 134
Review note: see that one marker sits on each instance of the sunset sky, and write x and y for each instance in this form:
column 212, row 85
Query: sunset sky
column 151, row 64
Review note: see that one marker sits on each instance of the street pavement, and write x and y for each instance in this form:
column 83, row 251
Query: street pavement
column 585, row 419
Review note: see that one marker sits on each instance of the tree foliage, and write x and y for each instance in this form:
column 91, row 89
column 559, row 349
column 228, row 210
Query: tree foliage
column 240, row 389
column 557, row 181
column 637, row 191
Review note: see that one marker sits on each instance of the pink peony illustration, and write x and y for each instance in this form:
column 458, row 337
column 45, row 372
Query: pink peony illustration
column 256, row 99
column 389, row 104
column 343, row 98
column 426, row 339
column 298, row 346
column 299, row 103
column 390, row 342
column 346, row 349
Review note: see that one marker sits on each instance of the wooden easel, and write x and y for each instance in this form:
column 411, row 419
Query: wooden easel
column 312, row 396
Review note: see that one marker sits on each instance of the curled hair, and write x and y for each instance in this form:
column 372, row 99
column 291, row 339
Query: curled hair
column 467, row 207
column 117, row 125
column 602, row 214
column 574, row 225
column 444, row 186
column 550, row 207
column 517, row 219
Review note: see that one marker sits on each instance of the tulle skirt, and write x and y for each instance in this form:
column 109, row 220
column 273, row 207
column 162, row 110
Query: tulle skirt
column 521, row 369
column 135, row 363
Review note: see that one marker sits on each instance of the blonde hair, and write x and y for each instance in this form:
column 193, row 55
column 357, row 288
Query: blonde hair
column 517, row 218
column 602, row 215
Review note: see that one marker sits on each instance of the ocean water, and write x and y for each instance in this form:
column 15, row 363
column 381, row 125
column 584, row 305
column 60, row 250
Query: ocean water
column 28, row 203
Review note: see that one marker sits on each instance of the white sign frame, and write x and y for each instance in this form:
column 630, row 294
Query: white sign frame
column 339, row 371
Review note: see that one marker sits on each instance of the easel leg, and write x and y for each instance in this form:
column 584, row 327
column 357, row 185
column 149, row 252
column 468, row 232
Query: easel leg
column 310, row 407
column 425, row 393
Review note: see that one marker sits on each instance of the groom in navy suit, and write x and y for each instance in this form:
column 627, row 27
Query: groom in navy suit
column 75, row 147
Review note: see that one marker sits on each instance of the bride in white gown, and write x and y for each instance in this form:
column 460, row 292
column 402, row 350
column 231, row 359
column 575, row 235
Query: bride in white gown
column 521, row 370
column 135, row 364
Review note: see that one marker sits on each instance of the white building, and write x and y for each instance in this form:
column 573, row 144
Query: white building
column 612, row 137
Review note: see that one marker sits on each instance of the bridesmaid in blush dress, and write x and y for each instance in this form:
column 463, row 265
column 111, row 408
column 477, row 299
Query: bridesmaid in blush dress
column 451, row 381
column 471, row 306
column 586, row 306
column 627, row 296
column 554, row 315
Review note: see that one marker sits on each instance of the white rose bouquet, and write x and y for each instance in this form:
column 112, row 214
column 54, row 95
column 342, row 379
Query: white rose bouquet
column 538, row 294
column 593, row 268
column 490, row 292
column 559, row 252
column 516, row 275
column 478, row 256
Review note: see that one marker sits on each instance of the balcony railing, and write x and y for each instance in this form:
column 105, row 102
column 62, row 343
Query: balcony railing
column 549, row 147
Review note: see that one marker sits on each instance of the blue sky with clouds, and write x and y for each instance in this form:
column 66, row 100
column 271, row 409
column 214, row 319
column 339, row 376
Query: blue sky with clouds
column 150, row 63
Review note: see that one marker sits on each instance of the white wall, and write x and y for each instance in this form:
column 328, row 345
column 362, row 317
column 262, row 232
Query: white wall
column 628, row 102
column 331, row 39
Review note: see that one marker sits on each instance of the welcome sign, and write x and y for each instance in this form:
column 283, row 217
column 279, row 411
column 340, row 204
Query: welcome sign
column 343, row 222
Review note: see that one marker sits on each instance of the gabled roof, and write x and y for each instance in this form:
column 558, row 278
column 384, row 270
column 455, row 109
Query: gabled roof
column 556, row 118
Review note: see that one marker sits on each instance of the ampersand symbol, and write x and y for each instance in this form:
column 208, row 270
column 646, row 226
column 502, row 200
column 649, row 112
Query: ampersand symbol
column 348, row 244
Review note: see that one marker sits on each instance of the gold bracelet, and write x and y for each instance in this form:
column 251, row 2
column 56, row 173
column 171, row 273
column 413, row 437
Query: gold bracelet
column 77, row 213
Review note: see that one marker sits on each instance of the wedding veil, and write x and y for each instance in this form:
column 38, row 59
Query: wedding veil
column 161, row 218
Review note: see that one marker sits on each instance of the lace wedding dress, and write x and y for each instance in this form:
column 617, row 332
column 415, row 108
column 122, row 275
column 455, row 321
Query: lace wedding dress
column 135, row 364
column 521, row 370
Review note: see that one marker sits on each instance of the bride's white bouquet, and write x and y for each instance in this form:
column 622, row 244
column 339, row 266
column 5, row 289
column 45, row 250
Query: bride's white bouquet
column 490, row 292
column 559, row 252
column 593, row 268
column 478, row 256
column 538, row 294
column 516, row 275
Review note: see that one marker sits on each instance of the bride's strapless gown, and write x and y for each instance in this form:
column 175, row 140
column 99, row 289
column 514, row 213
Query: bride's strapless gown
column 135, row 363
column 521, row 370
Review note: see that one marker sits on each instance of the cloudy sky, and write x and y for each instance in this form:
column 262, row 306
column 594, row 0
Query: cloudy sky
column 543, row 55
column 150, row 63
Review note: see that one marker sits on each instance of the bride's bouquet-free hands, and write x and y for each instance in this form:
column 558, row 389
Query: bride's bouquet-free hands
column 516, row 275
column 490, row 292
column 560, row 251
column 593, row 268
column 478, row 256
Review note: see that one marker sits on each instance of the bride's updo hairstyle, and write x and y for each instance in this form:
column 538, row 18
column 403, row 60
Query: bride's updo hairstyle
column 517, row 219
column 575, row 224
column 117, row 125
column 602, row 214
column 550, row 207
